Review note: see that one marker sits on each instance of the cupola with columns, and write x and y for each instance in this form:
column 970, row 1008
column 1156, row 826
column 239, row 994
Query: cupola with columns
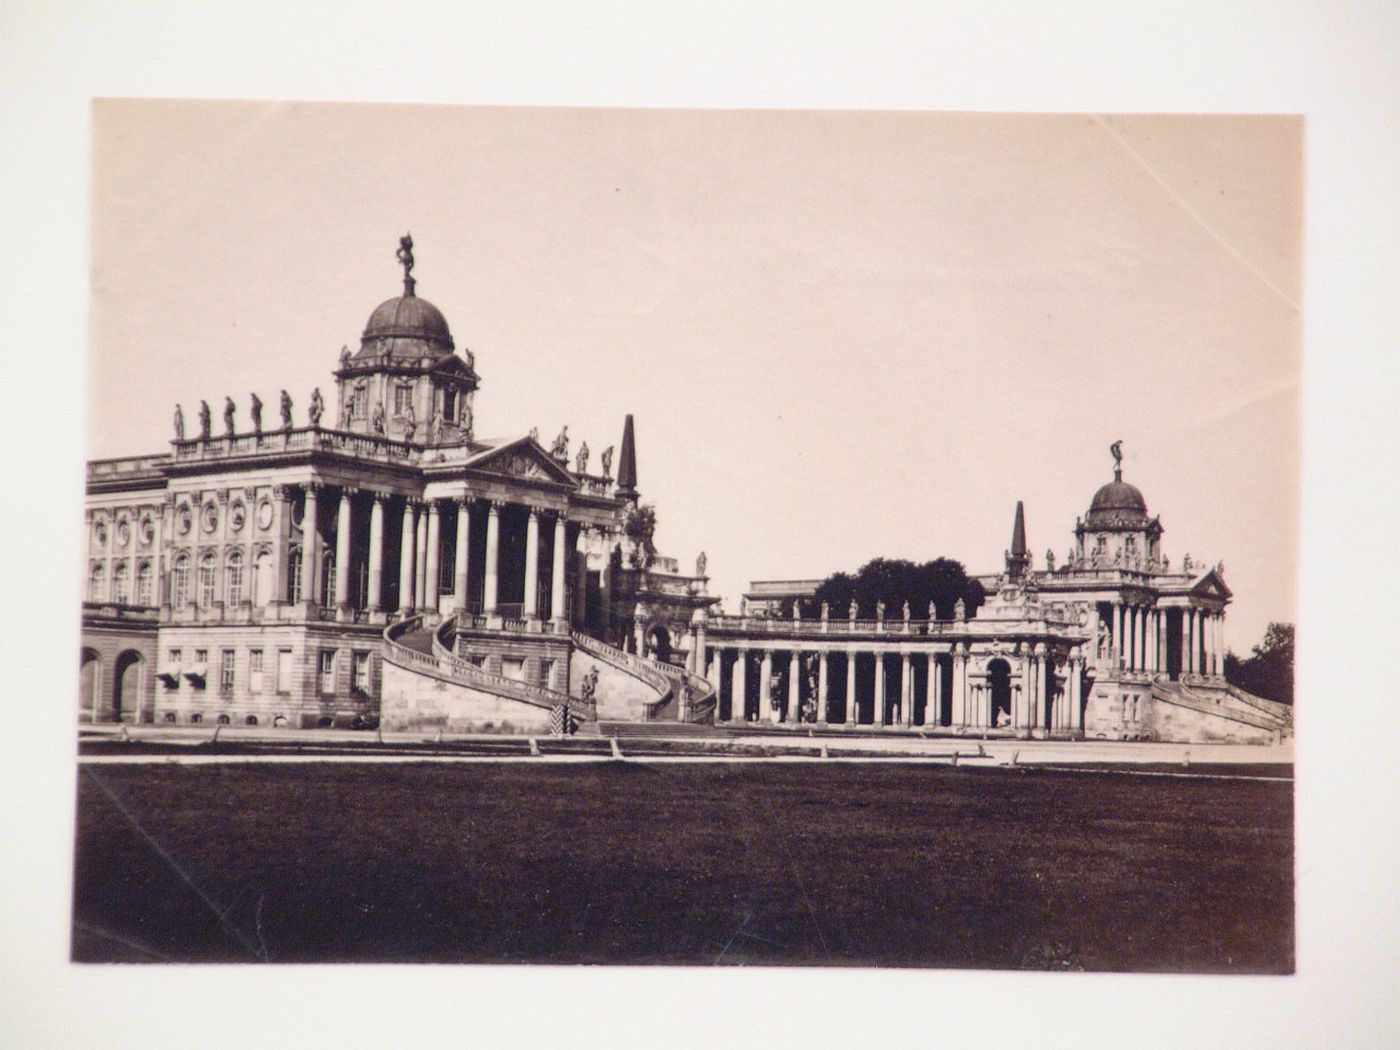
column 1117, row 530
column 407, row 382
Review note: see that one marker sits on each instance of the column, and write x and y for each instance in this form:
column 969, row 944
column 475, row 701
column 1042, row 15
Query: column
column 420, row 561
column 406, row 557
column 715, row 674
column 882, row 702
column 310, row 545
column 851, row 687
column 431, row 554
column 823, row 689
column 698, row 649
column 738, row 686
column 1119, row 634
column 462, row 562
column 959, row 697
column 1073, row 686
column 556, row 583
column 1220, row 642
column 765, row 688
column 532, row 565
column 376, row 552
column 493, row 543
column 1040, row 707
column 342, row 551
column 1152, row 640
column 794, row 687
column 1191, row 639
column 906, row 691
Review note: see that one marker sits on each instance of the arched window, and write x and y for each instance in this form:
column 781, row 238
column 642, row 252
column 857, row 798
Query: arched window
column 233, row 578
column 144, row 576
column 294, row 575
column 328, row 579
column 121, row 583
column 180, row 580
column 97, row 584
column 208, row 580
column 262, row 579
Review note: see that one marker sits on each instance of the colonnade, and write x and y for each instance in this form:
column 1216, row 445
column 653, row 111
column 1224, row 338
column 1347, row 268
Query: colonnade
column 1038, row 699
column 1140, row 639
column 420, row 545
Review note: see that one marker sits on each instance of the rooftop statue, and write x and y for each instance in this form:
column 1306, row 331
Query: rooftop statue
column 286, row 408
column 535, row 434
column 205, row 421
column 228, row 416
column 854, row 609
column 316, row 408
column 344, row 355
column 1117, row 450
column 560, row 449
column 700, row 564
column 405, row 257
column 179, row 423
column 606, row 460
column 582, row 460
column 1049, row 560
column 255, row 410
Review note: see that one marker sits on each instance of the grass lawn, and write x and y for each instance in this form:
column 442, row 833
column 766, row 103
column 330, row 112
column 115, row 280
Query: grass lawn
column 630, row 863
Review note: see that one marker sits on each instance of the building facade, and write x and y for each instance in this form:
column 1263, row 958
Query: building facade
column 315, row 575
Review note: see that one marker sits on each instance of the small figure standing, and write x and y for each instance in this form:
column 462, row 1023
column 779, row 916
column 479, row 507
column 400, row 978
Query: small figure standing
column 255, row 410
column 582, row 461
column 286, row 410
column 606, row 460
column 344, row 355
column 560, row 450
column 1117, row 450
column 205, row 421
column 535, row 434
column 960, row 610
column 853, row 610
column 1049, row 560
column 179, row 423
column 906, row 612
column 410, row 423
column 700, row 564
column 228, row 416
column 376, row 420
column 405, row 257
column 317, row 407
column 435, row 426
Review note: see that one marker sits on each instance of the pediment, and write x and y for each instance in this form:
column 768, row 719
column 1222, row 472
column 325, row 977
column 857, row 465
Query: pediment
column 1211, row 585
column 523, row 459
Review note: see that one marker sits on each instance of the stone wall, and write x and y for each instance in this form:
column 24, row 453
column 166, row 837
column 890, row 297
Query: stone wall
column 414, row 700
column 621, row 696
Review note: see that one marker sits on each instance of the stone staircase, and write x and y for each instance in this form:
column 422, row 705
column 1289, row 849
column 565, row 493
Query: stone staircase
column 681, row 697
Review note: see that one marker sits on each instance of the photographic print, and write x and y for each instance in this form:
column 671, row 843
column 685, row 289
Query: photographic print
column 690, row 537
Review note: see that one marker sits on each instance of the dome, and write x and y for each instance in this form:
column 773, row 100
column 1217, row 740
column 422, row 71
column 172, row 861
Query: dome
column 411, row 319
column 1118, row 501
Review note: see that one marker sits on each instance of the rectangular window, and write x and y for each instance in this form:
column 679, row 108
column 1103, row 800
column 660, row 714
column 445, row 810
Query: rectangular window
column 403, row 397
column 546, row 672
column 226, row 671
column 449, row 406
column 362, row 672
column 201, row 656
column 328, row 670
column 255, row 670
column 174, row 656
column 513, row 668
column 284, row 671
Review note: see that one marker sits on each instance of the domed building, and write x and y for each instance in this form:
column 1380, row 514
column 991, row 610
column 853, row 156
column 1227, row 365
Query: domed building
column 387, row 568
column 1114, row 643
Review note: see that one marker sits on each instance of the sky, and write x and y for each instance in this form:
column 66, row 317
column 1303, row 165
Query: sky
column 843, row 335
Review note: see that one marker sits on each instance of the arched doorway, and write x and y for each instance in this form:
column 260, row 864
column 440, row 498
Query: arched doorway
column 659, row 643
column 90, row 684
column 126, row 687
column 999, row 688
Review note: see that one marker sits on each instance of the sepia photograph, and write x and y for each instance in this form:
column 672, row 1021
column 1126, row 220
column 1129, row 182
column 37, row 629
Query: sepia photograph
column 697, row 538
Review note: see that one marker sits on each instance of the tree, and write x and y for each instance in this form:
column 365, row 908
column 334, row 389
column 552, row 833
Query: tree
column 894, row 581
column 640, row 528
column 1268, row 672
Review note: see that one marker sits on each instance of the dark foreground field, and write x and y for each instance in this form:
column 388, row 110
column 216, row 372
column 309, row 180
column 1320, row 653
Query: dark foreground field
column 906, row 865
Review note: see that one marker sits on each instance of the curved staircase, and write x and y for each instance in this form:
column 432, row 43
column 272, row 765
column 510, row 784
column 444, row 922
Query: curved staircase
column 680, row 695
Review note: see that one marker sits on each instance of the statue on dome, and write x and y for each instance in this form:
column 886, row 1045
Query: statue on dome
column 700, row 564
column 228, row 416
column 405, row 257
column 582, row 460
column 205, row 426
column 255, row 410
column 286, row 410
column 376, row 419
column 179, row 423
column 606, row 460
column 317, row 407
column 1117, row 450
